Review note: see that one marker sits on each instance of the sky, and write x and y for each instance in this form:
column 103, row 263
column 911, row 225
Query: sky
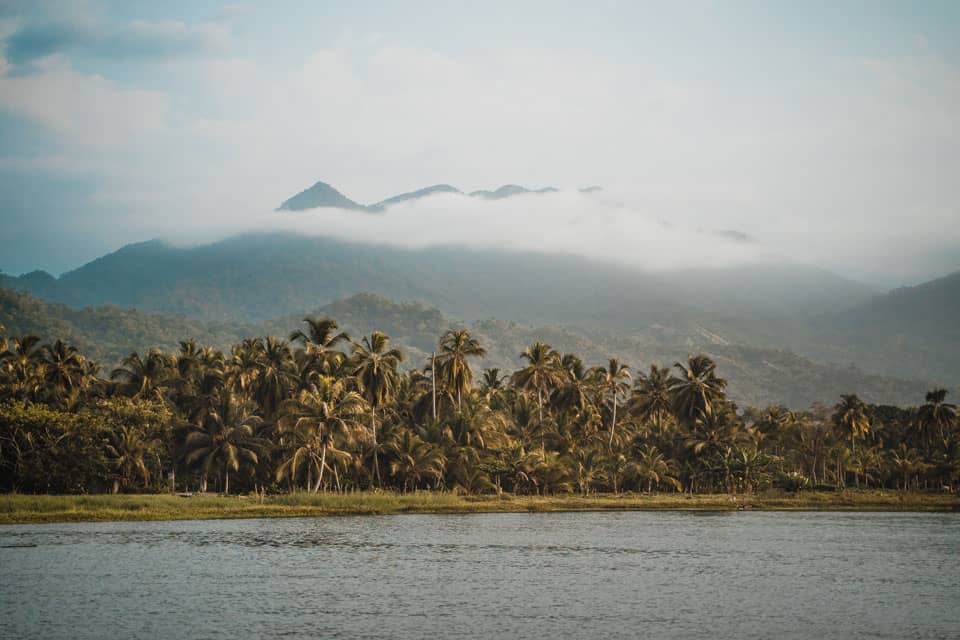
column 823, row 133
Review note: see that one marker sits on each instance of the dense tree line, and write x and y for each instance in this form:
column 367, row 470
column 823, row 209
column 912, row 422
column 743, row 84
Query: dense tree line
column 322, row 412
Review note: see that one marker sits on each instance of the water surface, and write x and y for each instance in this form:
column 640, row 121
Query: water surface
column 652, row 574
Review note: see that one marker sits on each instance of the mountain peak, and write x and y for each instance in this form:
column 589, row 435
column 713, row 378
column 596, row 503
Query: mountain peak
column 509, row 190
column 320, row 194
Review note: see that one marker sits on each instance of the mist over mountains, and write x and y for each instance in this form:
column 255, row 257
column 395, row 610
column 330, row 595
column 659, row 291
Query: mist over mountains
column 746, row 316
column 322, row 195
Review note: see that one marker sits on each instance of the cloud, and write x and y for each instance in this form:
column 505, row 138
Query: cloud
column 87, row 111
column 39, row 39
column 856, row 165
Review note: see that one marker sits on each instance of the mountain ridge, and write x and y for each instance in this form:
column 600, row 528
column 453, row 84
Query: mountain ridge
column 110, row 333
column 257, row 277
column 322, row 195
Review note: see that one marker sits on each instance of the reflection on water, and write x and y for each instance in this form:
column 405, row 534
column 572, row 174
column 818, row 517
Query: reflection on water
column 673, row 574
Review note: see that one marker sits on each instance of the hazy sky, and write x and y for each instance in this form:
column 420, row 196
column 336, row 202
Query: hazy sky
column 829, row 132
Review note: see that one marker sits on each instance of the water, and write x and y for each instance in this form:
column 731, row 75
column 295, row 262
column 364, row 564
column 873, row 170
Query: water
column 597, row 575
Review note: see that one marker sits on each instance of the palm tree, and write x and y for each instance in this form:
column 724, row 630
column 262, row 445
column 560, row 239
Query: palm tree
column 850, row 417
column 613, row 380
column 243, row 368
column 127, row 451
column 24, row 365
column 139, row 377
column 543, row 372
column 907, row 462
column 64, row 367
column 936, row 414
column 414, row 459
column 652, row 399
column 578, row 385
column 313, row 420
column 651, row 466
column 456, row 346
column 320, row 341
column 697, row 390
column 225, row 437
column 375, row 367
column 275, row 376
column 491, row 381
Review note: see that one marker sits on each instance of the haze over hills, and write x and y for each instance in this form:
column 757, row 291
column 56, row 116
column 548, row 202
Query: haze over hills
column 256, row 278
column 253, row 277
column 757, row 376
column 322, row 195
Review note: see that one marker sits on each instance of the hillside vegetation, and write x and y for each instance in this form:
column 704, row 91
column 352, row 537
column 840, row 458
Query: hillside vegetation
column 758, row 375
column 323, row 412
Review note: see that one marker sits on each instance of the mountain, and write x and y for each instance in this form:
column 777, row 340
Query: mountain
column 255, row 278
column 322, row 195
column 108, row 334
column 319, row 195
column 413, row 195
column 915, row 326
column 757, row 376
column 508, row 191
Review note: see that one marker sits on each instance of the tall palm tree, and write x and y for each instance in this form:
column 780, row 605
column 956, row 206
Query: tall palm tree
column 225, row 436
column 850, row 418
column 542, row 372
column 936, row 415
column 23, row 363
column 575, row 392
column 375, row 367
column 456, row 347
column 652, row 399
column 243, row 368
column 64, row 366
column 143, row 377
column 320, row 341
column 491, row 381
column 697, row 389
column 314, row 419
column 276, row 376
column 614, row 381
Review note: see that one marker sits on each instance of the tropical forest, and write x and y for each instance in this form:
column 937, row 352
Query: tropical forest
column 319, row 411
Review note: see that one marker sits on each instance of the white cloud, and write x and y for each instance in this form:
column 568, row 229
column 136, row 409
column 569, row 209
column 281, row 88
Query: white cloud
column 862, row 160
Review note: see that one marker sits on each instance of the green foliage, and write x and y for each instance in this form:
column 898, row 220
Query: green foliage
column 269, row 415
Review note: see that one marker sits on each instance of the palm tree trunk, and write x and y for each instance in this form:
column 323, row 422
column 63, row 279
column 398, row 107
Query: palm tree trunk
column 226, row 481
column 613, row 423
column 323, row 462
column 116, row 486
column 373, row 430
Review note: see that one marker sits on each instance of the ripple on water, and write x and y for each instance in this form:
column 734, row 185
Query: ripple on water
column 680, row 575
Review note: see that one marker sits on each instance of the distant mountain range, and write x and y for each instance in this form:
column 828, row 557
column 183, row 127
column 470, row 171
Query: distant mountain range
column 910, row 333
column 757, row 376
column 322, row 195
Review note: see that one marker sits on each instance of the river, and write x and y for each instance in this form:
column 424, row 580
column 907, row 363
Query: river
column 577, row 575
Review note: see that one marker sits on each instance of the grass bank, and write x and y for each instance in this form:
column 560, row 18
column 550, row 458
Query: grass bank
column 17, row 508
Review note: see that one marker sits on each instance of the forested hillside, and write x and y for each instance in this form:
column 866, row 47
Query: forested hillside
column 758, row 375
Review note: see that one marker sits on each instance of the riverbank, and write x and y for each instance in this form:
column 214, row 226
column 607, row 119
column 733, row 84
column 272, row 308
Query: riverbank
column 17, row 508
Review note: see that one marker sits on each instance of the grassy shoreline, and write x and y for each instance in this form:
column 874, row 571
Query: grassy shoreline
column 23, row 509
